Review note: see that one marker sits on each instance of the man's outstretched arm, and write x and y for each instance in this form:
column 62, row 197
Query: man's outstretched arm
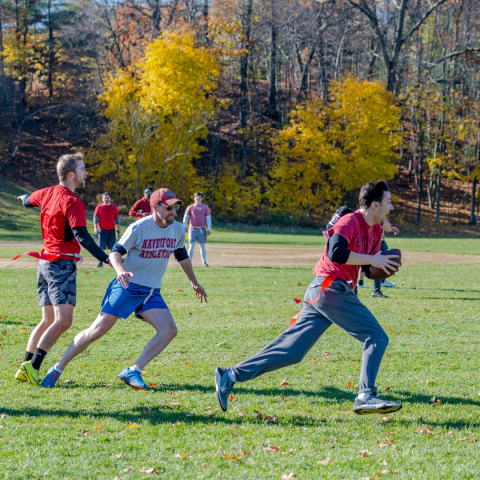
column 183, row 259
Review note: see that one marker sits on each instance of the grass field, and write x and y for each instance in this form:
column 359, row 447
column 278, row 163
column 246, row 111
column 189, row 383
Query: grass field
column 92, row 426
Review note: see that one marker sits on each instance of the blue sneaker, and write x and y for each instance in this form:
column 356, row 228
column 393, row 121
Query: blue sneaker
column 50, row 379
column 133, row 379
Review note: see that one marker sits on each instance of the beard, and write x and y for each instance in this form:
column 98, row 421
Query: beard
column 169, row 220
column 79, row 182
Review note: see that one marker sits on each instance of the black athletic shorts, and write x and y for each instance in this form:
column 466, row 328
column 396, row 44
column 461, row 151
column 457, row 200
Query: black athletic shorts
column 107, row 238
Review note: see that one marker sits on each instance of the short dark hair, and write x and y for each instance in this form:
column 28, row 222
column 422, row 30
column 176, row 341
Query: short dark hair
column 200, row 194
column 372, row 192
column 148, row 187
column 105, row 193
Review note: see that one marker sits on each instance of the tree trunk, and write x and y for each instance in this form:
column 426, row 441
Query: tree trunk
column 51, row 51
column 439, row 189
column 272, row 88
column 420, row 177
column 473, row 218
column 1, row 42
column 205, row 21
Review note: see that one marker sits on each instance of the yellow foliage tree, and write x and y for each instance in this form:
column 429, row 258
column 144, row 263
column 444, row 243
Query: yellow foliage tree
column 331, row 148
column 158, row 110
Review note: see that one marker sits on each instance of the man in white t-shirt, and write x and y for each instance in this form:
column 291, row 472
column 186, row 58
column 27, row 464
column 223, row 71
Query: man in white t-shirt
column 200, row 226
column 148, row 243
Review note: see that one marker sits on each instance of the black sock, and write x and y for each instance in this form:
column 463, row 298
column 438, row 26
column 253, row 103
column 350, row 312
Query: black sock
column 28, row 356
column 360, row 282
column 38, row 358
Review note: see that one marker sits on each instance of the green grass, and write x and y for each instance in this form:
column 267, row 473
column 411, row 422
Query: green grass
column 75, row 430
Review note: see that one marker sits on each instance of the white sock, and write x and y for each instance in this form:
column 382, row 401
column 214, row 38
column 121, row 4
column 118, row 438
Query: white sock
column 203, row 252
column 191, row 250
column 135, row 368
column 57, row 369
column 232, row 375
column 364, row 395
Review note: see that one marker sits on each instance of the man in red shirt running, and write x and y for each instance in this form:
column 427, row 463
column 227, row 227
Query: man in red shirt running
column 330, row 299
column 142, row 208
column 64, row 229
column 104, row 220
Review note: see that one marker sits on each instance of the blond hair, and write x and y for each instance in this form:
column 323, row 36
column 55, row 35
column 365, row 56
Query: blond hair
column 68, row 163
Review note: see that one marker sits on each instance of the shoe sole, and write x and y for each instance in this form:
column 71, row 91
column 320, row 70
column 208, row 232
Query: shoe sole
column 218, row 377
column 21, row 377
column 367, row 411
column 133, row 386
column 29, row 380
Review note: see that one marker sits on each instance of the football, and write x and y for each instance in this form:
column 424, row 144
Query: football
column 378, row 273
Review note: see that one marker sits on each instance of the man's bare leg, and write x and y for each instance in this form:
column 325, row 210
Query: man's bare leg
column 102, row 324
column 48, row 317
column 162, row 321
column 63, row 321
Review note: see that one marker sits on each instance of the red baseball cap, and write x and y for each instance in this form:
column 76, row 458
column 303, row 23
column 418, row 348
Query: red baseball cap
column 165, row 196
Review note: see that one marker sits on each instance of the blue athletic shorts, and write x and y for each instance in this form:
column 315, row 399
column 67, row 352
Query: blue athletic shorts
column 122, row 302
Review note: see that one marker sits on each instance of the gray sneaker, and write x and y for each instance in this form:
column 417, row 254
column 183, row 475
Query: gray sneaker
column 223, row 387
column 100, row 265
column 386, row 283
column 373, row 404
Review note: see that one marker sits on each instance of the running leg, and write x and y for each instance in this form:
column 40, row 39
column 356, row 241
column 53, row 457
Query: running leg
column 48, row 317
column 203, row 252
column 191, row 250
column 102, row 324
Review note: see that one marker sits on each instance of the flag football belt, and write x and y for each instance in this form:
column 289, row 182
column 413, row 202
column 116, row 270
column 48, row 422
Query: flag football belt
column 198, row 228
column 326, row 283
column 44, row 255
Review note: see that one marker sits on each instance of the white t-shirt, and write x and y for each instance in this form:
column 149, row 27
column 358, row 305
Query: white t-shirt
column 149, row 247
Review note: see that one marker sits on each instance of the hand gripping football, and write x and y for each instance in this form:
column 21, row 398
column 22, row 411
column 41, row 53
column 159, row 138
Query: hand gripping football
column 378, row 273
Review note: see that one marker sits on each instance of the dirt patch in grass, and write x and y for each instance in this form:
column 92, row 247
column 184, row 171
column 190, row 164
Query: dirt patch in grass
column 250, row 256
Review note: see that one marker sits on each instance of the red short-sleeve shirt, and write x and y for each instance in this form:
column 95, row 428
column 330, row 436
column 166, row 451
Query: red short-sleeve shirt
column 361, row 237
column 106, row 216
column 61, row 210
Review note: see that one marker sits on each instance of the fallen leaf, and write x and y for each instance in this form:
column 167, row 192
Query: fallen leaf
column 180, row 290
column 98, row 428
column 386, row 419
column 287, row 453
column 390, row 329
column 468, row 439
column 21, row 330
column 117, row 455
column 118, row 478
column 284, row 383
column 429, row 431
column 387, row 470
column 365, row 453
column 85, row 432
column 246, row 453
column 265, row 418
column 450, row 433
column 349, row 384
column 231, row 457
column 178, row 455
column 221, row 343
column 388, row 433
column 386, row 443
column 324, row 462
column 211, row 415
column 231, row 397
column 171, row 394
column 329, row 441
column 133, row 426
column 290, row 476
column 384, row 463
column 152, row 384
column 376, row 474
column 266, row 448
column 187, row 363
column 149, row 471
column 128, row 469
column 173, row 404
column 157, row 374
column 177, row 424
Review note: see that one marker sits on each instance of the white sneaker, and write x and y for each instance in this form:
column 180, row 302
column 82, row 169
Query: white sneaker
column 361, row 286
column 386, row 283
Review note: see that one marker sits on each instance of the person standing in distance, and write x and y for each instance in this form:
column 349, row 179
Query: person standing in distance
column 148, row 243
column 104, row 220
column 200, row 226
column 353, row 241
column 141, row 208
column 64, row 229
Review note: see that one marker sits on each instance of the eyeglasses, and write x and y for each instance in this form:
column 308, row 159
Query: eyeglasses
column 169, row 208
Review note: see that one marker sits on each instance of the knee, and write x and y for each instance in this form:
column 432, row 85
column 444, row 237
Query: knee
column 172, row 332
column 65, row 323
column 297, row 358
column 382, row 340
column 96, row 333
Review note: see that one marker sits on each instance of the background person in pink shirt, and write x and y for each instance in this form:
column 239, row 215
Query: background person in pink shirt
column 200, row 226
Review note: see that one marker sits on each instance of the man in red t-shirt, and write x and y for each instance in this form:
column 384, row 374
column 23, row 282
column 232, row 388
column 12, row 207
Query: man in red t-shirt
column 104, row 220
column 64, row 229
column 200, row 220
column 353, row 241
column 142, row 208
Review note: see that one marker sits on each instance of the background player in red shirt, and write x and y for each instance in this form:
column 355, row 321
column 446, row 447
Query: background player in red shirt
column 64, row 229
column 142, row 208
column 353, row 241
column 104, row 220
column 200, row 220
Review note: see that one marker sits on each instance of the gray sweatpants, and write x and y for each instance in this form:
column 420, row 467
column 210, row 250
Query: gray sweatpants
column 338, row 305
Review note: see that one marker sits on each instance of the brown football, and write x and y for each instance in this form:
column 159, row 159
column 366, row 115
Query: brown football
column 378, row 273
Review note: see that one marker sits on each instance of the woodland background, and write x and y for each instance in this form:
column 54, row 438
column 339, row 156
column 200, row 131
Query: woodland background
column 278, row 110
